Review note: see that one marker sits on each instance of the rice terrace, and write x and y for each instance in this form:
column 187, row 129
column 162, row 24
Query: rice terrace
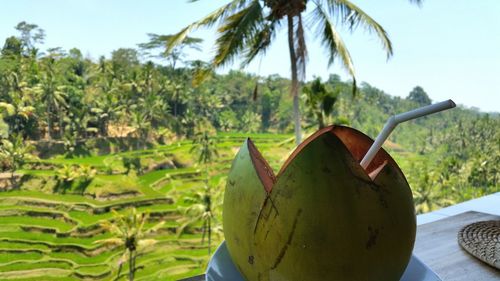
column 114, row 161
column 54, row 233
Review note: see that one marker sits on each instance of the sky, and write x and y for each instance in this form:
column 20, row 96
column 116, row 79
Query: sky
column 451, row 48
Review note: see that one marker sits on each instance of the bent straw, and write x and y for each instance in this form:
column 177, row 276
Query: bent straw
column 394, row 120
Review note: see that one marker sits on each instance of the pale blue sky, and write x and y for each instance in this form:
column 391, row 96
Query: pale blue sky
column 449, row 47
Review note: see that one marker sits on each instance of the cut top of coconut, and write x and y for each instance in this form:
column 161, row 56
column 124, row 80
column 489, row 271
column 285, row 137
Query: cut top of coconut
column 358, row 144
column 264, row 171
column 354, row 141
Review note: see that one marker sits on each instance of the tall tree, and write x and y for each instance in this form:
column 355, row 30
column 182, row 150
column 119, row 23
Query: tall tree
column 14, row 152
column 319, row 101
column 419, row 96
column 248, row 27
column 123, row 62
column 177, row 54
column 52, row 94
column 205, row 149
column 12, row 47
column 31, row 35
column 131, row 233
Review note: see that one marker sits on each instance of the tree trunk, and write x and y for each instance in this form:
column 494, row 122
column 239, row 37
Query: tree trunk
column 119, row 272
column 206, row 175
column 295, row 81
column 49, row 122
column 61, row 128
column 13, row 178
column 105, row 127
column 209, row 235
column 131, row 269
column 176, row 100
column 208, row 206
column 321, row 121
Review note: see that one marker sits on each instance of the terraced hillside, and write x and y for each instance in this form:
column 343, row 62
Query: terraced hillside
column 50, row 226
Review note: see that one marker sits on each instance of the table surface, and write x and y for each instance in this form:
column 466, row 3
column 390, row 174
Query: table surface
column 436, row 245
column 488, row 204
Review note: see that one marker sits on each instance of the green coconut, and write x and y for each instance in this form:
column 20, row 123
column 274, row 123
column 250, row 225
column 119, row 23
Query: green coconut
column 323, row 217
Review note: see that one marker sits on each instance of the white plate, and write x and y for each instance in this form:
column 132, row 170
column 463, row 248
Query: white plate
column 221, row 268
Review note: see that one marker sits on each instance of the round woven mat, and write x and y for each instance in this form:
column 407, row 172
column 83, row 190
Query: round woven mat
column 482, row 240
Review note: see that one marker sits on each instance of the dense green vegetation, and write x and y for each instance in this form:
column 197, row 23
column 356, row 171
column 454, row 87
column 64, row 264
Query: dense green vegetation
column 248, row 28
column 84, row 142
column 67, row 233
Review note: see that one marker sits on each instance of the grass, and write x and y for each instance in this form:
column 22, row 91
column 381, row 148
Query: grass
column 36, row 274
column 8, row 257
column 53, row 240
column 58, row 225
column 47, row 235
column 34, row 265
column 81, row 259
column 93, row 270
column 12, row 245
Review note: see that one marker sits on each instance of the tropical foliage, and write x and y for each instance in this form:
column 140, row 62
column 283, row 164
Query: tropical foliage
column 84, row 142
column 130, row 234
column 248, row 28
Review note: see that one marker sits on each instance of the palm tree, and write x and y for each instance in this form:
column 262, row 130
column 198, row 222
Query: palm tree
column 204, row 144
column 131, row 233
column 248, row 27
column 428, row 194
column 250, row 122
column 154, row 108
column 177, row 54
column 203, row 207
column 204, row 148
column 178, row 95
column 17, row 114
column 14, row 152
column 142, row 127
column 53, row 95
column 319, row 101
column 18, row 102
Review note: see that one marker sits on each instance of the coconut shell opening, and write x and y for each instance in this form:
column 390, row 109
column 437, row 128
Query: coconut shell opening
column 264, row 171
column 356, row 143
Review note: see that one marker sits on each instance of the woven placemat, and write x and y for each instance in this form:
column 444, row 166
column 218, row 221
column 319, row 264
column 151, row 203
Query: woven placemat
column 482, row 240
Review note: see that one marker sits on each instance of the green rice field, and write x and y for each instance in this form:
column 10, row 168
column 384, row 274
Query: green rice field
column 50, row 233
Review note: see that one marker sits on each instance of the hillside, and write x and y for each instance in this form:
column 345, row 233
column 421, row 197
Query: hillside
column 51, row 234
column 91, row 150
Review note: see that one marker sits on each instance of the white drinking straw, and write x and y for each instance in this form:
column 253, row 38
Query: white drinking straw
column 394, row 120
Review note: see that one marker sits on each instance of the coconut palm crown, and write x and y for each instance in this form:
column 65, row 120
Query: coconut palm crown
column 246, row 28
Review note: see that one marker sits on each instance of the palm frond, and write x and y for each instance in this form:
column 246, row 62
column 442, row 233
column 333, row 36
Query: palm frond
column 106, row 225
column 121, row 225
column 188, row 222
column 208, row 21
column 110, row 241
column 332, row 41
column 155, row 227
column 236, row 31
column 144, row 243
column 354, row 86
column 353, row 16
column 201, row 74
column 8, row 108
column 123, row 259
column 194, row 210
column 417, row 2
column 300, row 48
column 142, row 221
column 262, row 40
